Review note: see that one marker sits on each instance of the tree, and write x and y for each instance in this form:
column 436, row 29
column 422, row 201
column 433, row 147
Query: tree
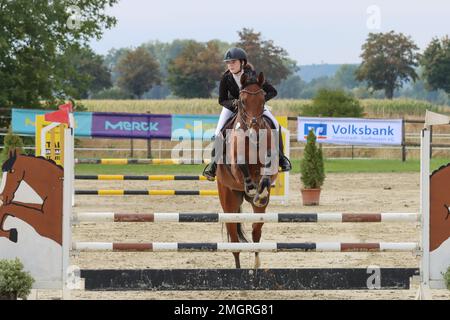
column 333, row 103
column 312, row 165
column 15, row 282
column 345, row 76
column 85, row 71
column 33, row 36
column 11, row 142
column 436, row 64
column 195, row 71
column 291, row 88
column 138, row 72
column 266, row 56
column 389, row 60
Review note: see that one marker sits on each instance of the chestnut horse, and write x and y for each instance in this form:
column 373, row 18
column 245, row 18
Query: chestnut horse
column 31, row 190
column 243, row 177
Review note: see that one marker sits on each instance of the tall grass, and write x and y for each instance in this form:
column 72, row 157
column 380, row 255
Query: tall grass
column 373, row 108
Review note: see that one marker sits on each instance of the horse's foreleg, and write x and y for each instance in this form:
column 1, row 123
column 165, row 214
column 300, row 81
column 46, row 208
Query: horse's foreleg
column 250, row 188
column 256, row 233
column 43, row 223
column 233, row 237
column 10, row 234
column 261, row 198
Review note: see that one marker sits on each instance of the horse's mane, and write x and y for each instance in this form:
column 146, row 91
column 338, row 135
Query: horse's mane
column 252, row 76
column 43, row 158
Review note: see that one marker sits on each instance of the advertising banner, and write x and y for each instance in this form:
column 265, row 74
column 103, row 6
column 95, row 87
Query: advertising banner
column 352, row 131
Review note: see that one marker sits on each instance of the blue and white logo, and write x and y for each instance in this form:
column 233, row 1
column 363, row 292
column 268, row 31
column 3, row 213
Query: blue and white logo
column 319, row 129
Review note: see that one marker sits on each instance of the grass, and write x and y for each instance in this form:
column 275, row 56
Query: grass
column 331, row 166
column 377, row 108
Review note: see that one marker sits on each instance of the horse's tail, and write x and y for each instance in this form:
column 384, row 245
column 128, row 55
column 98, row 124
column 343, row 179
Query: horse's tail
column 240, row 230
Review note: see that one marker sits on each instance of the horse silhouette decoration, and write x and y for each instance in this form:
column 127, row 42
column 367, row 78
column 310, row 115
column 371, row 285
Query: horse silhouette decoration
column 32, row 191
column 251, row 164
column 439, row 221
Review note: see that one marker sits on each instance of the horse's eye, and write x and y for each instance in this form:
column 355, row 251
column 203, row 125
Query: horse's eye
column 11, row 171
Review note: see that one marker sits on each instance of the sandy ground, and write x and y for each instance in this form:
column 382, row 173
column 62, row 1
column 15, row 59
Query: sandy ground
column 397, row 192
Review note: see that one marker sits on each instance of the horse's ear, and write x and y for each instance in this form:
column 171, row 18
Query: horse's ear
column 244, row 78
column 261, row 79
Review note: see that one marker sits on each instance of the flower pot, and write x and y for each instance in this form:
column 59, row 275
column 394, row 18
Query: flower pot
column 310, row 197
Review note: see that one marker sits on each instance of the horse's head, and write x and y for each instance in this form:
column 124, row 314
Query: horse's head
column 251, row 98
column 12, row 176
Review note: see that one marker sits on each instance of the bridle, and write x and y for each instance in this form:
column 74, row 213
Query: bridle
column 249, row 121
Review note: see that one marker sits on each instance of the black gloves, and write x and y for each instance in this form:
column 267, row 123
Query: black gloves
column 235, row 104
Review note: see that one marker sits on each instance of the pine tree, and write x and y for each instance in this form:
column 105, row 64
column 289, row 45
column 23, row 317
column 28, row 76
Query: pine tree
column 312, row 167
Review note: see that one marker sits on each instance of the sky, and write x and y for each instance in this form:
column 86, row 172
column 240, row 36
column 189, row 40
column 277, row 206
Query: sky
column 312, row 32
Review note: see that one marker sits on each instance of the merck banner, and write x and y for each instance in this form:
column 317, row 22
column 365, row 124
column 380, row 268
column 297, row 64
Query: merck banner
column 353, row 131
column 126, row 125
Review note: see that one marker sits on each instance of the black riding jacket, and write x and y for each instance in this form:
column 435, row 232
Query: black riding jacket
column 229, row 90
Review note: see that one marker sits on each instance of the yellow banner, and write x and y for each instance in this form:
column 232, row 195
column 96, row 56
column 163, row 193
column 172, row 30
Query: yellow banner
column 280, row 183
column 54, row 140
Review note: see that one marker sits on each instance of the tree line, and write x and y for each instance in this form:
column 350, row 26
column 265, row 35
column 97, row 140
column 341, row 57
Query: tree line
column 392, row 66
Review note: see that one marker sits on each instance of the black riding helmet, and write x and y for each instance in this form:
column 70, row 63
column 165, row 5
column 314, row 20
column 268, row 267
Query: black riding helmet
column 235, row 54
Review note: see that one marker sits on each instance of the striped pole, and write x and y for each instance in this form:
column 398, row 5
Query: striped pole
column 148, row 192
column 118, row 161
column 248, row 247
column 149, row 177
column 245, row 217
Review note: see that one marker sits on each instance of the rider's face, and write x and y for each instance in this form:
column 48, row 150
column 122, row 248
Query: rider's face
column 234, row 66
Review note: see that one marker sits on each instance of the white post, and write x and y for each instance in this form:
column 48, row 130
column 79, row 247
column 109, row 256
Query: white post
column 43, row 134
column 72, row 159
column 67, row 207
column 425, row 209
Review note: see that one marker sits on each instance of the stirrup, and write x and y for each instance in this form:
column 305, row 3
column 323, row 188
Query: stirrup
column 210, row 172
column 288, row 167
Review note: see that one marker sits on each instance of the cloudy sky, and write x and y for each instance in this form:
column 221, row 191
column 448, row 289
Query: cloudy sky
column 318, row 31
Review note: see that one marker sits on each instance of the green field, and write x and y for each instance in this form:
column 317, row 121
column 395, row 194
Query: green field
column 378, row 108
column 331, row 166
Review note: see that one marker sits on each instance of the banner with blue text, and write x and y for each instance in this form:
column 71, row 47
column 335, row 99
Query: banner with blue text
column 351, row 131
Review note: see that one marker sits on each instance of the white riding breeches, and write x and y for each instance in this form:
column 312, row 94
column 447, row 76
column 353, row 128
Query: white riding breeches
column 226, row 114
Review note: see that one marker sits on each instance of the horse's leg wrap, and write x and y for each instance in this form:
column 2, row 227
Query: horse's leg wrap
column 261, row 198
column 250, row 187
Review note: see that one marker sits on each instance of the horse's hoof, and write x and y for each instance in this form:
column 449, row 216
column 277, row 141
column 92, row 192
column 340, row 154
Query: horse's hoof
column 13, row 235
column 261, row 199
column 260, row 202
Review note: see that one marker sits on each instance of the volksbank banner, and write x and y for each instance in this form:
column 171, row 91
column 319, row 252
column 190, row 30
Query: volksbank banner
column 352, row 131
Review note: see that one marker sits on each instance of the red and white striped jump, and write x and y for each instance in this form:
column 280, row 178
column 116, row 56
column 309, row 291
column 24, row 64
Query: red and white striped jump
column 248, row 247
column 161, row 217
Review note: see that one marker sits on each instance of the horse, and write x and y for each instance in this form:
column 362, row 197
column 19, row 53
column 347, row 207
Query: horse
column 243, row 179
column 32, row 191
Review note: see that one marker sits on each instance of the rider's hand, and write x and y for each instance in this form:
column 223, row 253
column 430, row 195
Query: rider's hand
column 235, row 104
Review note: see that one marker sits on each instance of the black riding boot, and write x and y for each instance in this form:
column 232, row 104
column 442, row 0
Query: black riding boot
column 210, row 170
column 283, row 161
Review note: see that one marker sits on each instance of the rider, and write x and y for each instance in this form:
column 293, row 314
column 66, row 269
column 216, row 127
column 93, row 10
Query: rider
column 230, row 85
